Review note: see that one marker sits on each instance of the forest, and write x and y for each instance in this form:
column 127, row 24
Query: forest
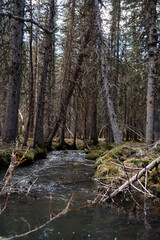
column 79, row 75
column 79, row 70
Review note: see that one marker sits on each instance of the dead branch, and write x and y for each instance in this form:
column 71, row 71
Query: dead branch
column 125, row 167
column 63, row 212
column 133, row 179
column 9, row 15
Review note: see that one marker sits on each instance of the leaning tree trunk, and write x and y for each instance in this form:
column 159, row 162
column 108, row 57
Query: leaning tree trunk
column 11, row 118
column 39, row 134
column 101, row 52
column 72, row 84
column 152, row 55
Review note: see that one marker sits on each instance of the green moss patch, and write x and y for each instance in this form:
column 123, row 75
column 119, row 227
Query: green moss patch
column 29, row 156
column 93, row 155
column 105, row 164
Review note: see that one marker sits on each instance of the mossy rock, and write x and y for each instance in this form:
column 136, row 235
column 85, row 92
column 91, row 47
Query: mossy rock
column 120, row 153
column 106, row 146
column 104, row 170
column 93, row 155
column 117, row 155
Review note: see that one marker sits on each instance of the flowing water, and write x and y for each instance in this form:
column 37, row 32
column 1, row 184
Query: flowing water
column 56, row 178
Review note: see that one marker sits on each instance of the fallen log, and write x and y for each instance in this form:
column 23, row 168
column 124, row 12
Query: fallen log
column 133, row 179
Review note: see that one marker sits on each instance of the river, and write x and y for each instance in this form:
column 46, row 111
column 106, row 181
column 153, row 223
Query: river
column 56, row 178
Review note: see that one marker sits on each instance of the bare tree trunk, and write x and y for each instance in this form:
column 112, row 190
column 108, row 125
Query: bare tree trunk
column 29, row 127
column 111, row 112
column 68, row 55
column 39, row 134
column 72, row 84
column 152, row 54
column 13, row 95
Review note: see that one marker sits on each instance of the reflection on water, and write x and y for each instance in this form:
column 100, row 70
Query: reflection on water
column 61, row 174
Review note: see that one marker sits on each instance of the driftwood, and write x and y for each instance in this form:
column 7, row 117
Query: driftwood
column 135, row 178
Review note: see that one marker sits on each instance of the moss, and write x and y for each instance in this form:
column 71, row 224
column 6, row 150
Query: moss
column 30, row 156
column 154, row 178
column 140, row 162
column 93, row 154
column 117, row 155
column 104, row 170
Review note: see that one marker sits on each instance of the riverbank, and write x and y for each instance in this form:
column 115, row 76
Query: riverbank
column 115, row 165
column 32, row 153
column 29, row 155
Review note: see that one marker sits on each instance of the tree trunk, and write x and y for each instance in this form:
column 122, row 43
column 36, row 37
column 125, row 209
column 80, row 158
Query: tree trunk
column 152, row 55
column 111, row 112
column 13, row 95
column 29, row 127
column 39, row 134
column 73, row 81
column 67, row 63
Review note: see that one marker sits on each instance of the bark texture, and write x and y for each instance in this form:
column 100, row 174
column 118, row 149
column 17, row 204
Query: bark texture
column 13, row 95
column 39, row 131
column 151, row 20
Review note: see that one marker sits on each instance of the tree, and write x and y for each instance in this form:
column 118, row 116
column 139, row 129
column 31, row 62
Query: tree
column 10, row 130
column 101, row 52
column 151, row 20
column 39, row 133
column 29, row 126
column 74, row 77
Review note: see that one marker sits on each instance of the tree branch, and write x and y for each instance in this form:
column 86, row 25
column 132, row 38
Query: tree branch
column 9, row 15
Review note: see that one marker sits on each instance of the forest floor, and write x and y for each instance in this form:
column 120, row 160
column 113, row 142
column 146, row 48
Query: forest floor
column 115, row 165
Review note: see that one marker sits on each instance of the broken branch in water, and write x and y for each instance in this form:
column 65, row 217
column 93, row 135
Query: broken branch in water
column 63, row 212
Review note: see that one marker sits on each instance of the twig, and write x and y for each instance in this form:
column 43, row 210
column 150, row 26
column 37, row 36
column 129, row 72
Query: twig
column 24, row 220
column 63, row 212
column 146, row 190
column 27, row 20
column 125, row 167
